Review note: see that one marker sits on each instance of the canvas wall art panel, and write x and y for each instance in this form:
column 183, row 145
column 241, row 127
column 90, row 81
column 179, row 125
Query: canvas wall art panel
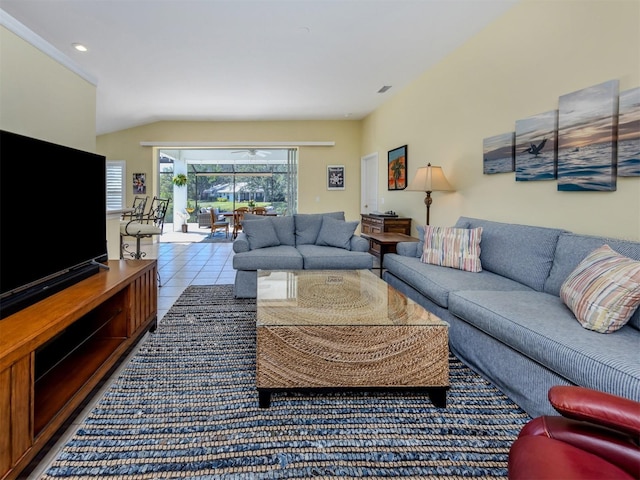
column 587, row 126
column 498, row 154
column 536, row 141
column 629, row 133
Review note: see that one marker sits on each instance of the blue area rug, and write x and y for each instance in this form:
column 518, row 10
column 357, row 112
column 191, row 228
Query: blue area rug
column 218, row 237
column 186, row 406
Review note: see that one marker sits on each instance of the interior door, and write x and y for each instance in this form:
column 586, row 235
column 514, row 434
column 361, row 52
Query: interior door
column 369, row 183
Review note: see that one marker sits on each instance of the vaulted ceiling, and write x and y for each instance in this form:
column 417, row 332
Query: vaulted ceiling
column 251, row 59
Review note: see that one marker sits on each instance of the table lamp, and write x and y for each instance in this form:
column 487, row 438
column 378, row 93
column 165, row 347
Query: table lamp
column 429, row 179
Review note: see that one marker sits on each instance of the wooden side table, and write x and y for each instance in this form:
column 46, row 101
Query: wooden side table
column 386, row 242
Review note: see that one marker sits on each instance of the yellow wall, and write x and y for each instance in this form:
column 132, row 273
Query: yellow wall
column 516, row 68
column 41, row 98
column 313, row 195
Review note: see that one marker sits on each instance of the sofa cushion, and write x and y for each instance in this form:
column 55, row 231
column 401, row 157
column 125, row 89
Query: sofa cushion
column 603, row 291
column 252, row 216
column 520, row 252
column 260, row 234
column 285, row 229
column 570, row 251
column 553, row 338
column 436, row 283
column 282, row 257
column 307, row 226
column 336, row 233
column 452, row 247
column 318, row 258
column 284, row 226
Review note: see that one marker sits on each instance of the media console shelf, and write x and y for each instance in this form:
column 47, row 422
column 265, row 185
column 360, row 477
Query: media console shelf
column 53, row 353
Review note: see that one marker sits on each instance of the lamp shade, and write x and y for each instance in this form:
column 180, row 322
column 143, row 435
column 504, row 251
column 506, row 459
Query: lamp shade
column 430, row 179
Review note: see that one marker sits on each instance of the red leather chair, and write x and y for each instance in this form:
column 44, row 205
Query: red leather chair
column 597, row 436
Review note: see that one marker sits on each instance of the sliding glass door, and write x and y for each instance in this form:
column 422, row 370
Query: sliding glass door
column 228, row 179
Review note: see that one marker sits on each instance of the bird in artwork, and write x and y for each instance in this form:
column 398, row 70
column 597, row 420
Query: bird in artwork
column 536, row 149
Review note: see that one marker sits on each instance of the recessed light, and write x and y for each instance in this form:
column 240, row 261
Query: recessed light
column 79, row 47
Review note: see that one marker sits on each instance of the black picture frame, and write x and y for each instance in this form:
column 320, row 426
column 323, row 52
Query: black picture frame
column 397, row 161
column 335, row 177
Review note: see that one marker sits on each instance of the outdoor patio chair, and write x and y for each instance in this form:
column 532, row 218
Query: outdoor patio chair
column 238, row 217
column 259, row 211
column 218, row 223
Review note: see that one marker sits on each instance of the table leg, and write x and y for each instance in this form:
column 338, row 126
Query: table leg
column 438, row 397
column 264, row 399
column 381, row 258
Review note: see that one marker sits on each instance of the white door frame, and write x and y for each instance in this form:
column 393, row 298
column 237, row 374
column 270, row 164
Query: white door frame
column 369, row 183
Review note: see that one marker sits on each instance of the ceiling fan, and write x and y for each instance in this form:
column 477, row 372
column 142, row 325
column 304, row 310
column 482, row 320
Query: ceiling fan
column 252, row 153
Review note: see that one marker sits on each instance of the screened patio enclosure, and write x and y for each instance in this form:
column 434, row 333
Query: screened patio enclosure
column 227, row 178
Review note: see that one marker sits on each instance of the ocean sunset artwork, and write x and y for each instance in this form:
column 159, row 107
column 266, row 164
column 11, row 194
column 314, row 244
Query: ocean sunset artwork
column 536, row 141
column 629, row 134
column 498, row 154
column 587, row 121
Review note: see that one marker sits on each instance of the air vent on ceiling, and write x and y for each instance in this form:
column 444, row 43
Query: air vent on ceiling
column 384, row 89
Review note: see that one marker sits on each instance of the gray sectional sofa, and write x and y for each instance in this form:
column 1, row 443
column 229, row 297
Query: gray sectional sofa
column 508, row 322
column 302, row 241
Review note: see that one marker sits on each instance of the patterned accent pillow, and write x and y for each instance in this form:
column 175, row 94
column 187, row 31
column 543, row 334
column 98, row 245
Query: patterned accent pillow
column 603, row 291
column 452, row 247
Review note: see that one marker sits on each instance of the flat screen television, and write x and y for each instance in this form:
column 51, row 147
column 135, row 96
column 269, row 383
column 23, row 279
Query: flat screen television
column 52, row 219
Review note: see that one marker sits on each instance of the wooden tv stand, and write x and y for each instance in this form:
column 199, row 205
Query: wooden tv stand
column 53, row 353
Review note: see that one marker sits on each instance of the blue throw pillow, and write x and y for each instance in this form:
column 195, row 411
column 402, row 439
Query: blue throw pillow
column 285, row 229
column 336, row 233
column 284, row 226
column 260, row 234
column 308, row 226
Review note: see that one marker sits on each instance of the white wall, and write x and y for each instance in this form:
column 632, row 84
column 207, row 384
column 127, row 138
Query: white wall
column 515, row 68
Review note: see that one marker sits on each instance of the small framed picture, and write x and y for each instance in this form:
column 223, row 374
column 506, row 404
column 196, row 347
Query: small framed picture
column 139, row 183
column 335, row 177
column 397, row 168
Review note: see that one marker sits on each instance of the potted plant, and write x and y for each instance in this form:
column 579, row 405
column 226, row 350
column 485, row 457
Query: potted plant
column 190, row 208
column 179, row 180
column 184, row 215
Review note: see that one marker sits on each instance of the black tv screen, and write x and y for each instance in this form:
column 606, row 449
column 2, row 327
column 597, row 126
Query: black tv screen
column 52, row 218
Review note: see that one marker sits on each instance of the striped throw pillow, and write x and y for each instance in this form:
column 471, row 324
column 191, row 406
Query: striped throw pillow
column 603, row 291
column 452, row 247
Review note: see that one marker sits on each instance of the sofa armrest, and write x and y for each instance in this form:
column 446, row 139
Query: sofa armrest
column 241, row 243
column 359, row 244
column 407, row 249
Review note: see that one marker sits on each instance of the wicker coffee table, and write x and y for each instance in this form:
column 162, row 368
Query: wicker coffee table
column 345, row 329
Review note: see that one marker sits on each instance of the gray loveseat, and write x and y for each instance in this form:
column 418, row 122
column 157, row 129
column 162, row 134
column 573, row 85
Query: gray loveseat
column 508, row 322
column 302, row 241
